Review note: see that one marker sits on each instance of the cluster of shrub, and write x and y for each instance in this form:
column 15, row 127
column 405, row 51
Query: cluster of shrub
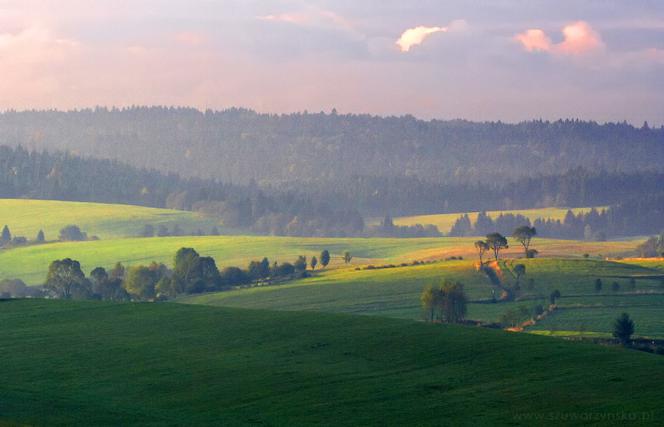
column 191, row 274
column 162, row 230
column 403, row 264
column 68, row 233
column 615, row 286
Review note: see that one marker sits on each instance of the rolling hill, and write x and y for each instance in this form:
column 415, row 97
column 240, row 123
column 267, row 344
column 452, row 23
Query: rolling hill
column 25, row 217
column 171, row 364
column 395, row 292
column 31, row 263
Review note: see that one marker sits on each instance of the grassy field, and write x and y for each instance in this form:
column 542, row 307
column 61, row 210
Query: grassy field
column 26, row 217
column 89, row 363
column 31, row 263
column 595, row 314
column 395, row 292
column 444, row 222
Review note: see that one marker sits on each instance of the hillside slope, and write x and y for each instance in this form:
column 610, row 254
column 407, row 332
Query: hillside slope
column 139, row 364
column 31, row 263
column 25, row 217
column 395, row 292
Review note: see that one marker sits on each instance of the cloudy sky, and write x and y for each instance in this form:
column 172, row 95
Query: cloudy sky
column 482, row 60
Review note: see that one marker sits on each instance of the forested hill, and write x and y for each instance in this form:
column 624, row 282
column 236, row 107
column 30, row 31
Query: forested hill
column 240, row 145
column 62, row 176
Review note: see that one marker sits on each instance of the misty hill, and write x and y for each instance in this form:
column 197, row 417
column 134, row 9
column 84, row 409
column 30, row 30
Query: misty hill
column 239, row 145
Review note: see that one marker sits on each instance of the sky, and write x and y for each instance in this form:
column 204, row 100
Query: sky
column 507, row 60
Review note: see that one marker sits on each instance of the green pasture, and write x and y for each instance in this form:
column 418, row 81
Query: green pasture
column 92, row 363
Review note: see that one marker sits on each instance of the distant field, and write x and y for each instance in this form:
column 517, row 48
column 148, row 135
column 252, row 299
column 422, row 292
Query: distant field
column 395, row 292
column 444, row 222
column 93, row 363
column 26, row 217
column 31, row 263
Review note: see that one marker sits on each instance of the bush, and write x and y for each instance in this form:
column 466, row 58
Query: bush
column 72, row 233
column 19, row 240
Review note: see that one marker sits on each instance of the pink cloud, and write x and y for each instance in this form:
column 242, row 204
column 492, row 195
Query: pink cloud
column 534, row 40
column 578, row 38
column 311, row 17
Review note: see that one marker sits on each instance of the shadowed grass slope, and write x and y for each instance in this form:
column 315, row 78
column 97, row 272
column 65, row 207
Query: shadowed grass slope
column 395, row 292
column 141, row 364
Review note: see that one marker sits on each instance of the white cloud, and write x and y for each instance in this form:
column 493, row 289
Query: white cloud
column 415, row 36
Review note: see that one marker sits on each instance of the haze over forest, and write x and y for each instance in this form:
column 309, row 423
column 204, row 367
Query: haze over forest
column 331, row 212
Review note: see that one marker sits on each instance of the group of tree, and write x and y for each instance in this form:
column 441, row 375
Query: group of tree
column 387, row 228
column 496, row 242
column 62, row 176
column 653, row 247
column 191, row 273
column 69, row 233
column 631, row 217
column 445, row 302
column 431, row 166
column 232, row 145
column 7, row 239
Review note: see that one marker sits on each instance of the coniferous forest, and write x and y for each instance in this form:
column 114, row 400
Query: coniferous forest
column 324, row 174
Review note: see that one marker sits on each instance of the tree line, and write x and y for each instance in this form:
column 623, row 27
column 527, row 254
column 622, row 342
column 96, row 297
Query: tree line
column 634, row 216
column 62, row 176
column 239, row 145
column 69, row 233
column 190, row 273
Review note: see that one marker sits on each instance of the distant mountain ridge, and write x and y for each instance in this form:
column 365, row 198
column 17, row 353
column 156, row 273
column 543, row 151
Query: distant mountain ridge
column 242, row 146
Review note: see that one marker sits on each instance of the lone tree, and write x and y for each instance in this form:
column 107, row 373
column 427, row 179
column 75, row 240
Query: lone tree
column 481, row 247
column 6, row 236
column 347, row 257
column 623, row 328
column 325, row 258
column 40, row 237
column 524, row 235
column 496, row 242
column 598, row 285
column 313, row 262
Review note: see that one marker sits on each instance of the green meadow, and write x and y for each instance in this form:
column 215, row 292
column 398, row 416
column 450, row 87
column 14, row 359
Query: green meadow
column 568, row 266
column 30, row 263
column 395, row 292
column 25, row 217
column 94, row 363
